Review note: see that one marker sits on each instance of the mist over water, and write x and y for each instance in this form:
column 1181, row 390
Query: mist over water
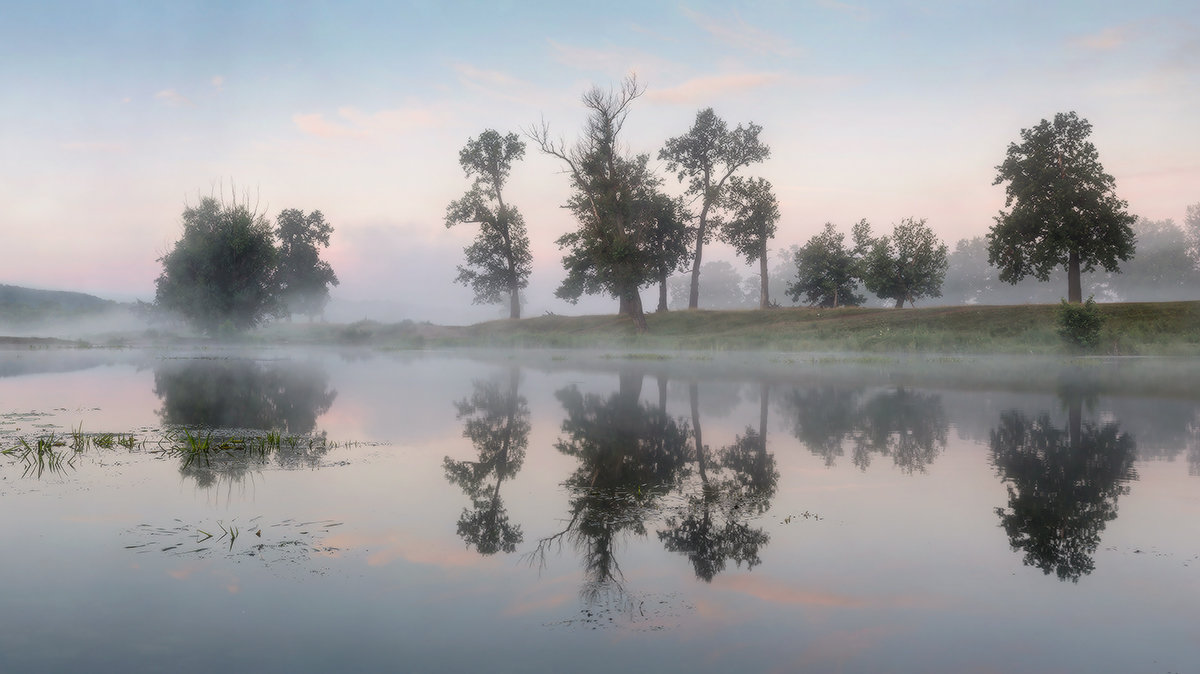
column 686, row 505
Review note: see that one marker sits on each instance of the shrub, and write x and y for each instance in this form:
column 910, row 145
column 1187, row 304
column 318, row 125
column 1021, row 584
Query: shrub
column 1079, row 324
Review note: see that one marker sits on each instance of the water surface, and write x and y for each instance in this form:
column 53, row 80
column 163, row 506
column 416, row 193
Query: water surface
column 553, row 512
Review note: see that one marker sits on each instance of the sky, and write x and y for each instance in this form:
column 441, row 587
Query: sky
column 115, row 115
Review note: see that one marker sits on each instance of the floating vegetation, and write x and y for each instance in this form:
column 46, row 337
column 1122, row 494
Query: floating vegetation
column 287, row 540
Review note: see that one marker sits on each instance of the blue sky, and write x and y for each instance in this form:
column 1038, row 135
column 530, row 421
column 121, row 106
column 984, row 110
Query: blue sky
column 115, row 114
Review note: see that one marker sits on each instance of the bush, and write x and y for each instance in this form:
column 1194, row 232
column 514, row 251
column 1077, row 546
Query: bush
column 1079, row 324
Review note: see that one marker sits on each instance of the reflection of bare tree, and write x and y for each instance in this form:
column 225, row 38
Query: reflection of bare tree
column 1063, row 486
column 497, row 424
column 712, row 528
column 909, row 426
column 630, row 456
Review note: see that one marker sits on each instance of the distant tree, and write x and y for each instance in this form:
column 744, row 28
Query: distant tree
column 707, row 156
column 753, row 213
column 826, row 271
column 724, row 288
column 303, row 276
column 221, row 275
column 1161, row 268
column 669, row 239
column 1063, row 208
column 1192, row 229
column 499, row 261
column 613, row 199
column 908, row 265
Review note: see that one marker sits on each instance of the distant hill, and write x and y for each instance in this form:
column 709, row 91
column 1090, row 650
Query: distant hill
column 26, row 304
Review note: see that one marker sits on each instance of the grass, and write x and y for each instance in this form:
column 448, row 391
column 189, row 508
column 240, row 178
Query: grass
column 1160, row 328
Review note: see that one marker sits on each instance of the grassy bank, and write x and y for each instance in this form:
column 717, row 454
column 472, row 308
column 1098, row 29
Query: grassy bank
column 1157, row 328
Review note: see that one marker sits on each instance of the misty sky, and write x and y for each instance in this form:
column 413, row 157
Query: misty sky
column 115, row 114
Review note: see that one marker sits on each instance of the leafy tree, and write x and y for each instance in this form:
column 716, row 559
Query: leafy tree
column 614, row 199
column 1063, row 209
column 221, row 275
column 497, row 424
column 303, row 276
column 908, row 265
column 707, row 156
column 499, row 261
column 669, row 241
column 826, row 271
column 753, row 213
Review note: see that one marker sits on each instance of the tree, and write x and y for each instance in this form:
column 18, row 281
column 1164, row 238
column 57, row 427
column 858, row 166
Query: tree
column 499, row 261
column 1063, row 209
column 668, row 240
column 908, row 265
column 707, row 156
column 753, row 213
column 826, row 271
column 724, row 288
column 221, row 275
column 613, row 199
column 304, row 277
column 1192, row 230
column 1161, row 268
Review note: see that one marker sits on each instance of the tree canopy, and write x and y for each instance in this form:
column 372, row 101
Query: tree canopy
column 908, row 265
column 706, row 157
column 826, row 271
column 221, row 275
column 498, row 261
column 304, row 277
column 753, row 213
column 1062, row 207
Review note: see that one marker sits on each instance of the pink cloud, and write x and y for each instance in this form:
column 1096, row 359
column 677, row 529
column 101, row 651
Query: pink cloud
column 353, row 123
column 702, row 89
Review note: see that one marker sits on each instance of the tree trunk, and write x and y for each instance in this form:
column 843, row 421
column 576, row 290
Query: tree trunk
column 764, row 400
column 662, row 293
column 662, row 394
column 1075, row 422
column 765, row 300
column 1074, row 288
column 631, row 306
column 514, row 303
column 900, row 302
column 694, row 292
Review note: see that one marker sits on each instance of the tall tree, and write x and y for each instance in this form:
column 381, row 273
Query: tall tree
column 753, row 212
column 669, row 241
column 1063, row 207
column 826, row 271
column 613, row 200
column 499, row 261
column 908, row 265
column 221, row 275
column 303, row 276
column 707, row 156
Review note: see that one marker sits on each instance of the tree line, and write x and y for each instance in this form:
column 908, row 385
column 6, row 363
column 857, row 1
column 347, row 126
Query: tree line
column 1061, row 213
column 1062, row 219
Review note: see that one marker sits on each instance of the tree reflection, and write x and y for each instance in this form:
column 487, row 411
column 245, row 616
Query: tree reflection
column 497, row 424
column 630, row 456
column 1063, row 486
column 228, row 397
column 712, row 528
column 243, row 394
column 909, row 426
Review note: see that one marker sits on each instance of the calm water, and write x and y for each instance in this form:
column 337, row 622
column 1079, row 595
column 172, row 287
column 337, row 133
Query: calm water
column 552, row 512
